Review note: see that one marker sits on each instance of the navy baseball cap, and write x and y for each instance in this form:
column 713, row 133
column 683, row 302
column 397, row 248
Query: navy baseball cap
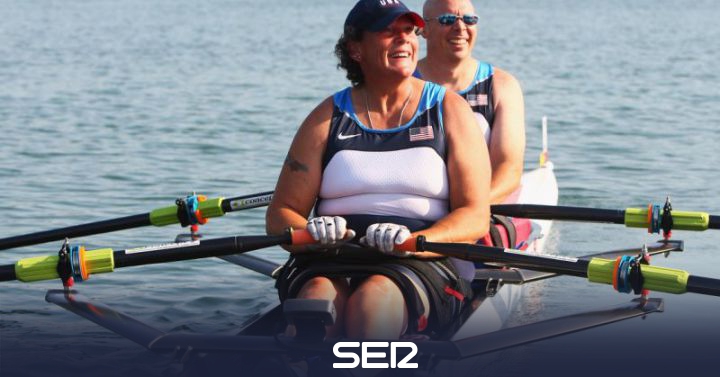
column 376, row 15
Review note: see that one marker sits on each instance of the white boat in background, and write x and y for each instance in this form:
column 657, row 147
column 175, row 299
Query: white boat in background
column 538, row 186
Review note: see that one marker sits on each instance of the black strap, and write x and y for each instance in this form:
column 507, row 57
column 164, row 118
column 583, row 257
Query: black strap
column 667, row 221
column 495, row 233
column 64, row 268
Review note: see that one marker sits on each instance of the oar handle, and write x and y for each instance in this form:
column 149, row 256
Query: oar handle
column 411, row 244
column 408, row 245
column 301, row 237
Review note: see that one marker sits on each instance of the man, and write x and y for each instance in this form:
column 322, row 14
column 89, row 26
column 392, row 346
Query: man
column 494, row 94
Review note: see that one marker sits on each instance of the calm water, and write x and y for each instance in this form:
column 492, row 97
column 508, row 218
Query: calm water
column 111, row 108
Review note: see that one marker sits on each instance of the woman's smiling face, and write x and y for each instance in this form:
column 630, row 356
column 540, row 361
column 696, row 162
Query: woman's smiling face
column 389, row 51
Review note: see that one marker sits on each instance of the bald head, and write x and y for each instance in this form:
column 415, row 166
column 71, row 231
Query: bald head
column 432, row 8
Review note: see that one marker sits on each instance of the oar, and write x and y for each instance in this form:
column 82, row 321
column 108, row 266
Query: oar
column 630, row 217
column 624, row 273
column 158, row 217
column 78, row 264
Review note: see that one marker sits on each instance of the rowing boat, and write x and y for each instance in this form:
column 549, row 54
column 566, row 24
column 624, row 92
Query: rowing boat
column 495, row 293
column 261, row 349
column 493, row 300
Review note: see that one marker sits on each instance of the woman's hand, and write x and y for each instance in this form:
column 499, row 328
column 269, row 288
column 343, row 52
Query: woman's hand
column 329, row 230
column 385, row 237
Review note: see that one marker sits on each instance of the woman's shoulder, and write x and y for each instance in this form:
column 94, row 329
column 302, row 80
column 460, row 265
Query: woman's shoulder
column 432, row 93
column 342, row 99
column 325, row 106
column 320, row 117
column 317, row 121
column 453, row 99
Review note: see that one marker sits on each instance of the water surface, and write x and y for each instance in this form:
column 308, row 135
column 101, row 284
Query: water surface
column 113, row 108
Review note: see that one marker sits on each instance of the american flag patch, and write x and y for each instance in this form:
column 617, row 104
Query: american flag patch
column 477, row 99
column 421, row 133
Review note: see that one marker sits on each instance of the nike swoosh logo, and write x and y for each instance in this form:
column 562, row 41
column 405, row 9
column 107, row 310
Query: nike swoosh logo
column 344, row 137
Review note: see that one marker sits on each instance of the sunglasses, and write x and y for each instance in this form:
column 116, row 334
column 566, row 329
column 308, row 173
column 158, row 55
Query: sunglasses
column 448, row 19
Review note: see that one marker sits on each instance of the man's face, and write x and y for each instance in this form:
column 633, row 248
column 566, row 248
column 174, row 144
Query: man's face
column 456, row 40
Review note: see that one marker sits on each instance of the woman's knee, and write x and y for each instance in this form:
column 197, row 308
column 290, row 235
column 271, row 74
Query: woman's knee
column 377, row 293
column 323, row 288
column 382, row 286
column 378, row 306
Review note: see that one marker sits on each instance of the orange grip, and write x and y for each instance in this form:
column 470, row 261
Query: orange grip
column 84, row 273
column 200, row 219
column 409, row 245
column 615, row 273
column 301, row 237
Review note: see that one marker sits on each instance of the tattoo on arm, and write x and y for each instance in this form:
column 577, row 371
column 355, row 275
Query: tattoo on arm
column 294, row 164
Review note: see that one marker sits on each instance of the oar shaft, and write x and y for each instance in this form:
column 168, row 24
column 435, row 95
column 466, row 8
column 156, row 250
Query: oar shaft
column 106, row 260
column 7, row 273
column 218, row 207
column 703, row 285
column 247, row 201
column 630, row 217
column 195, row 250
column 87, row 229
column 488, row 254
column 619, row 272
column 546, row 212
column 158, row 217
column 714, row 222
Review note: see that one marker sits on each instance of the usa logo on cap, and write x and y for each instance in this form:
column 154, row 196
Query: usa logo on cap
column 389, row 2
column 376, row 15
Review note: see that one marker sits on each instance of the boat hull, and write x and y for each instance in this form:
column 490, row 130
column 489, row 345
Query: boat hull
column 538, row 186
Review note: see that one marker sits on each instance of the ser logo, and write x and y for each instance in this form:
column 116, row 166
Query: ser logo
column 366, row 354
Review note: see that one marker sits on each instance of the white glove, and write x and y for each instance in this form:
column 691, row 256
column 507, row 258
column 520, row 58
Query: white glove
column 385, row 236
column 329, row 230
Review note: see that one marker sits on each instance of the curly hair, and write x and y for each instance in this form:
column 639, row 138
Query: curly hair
column 351, row 67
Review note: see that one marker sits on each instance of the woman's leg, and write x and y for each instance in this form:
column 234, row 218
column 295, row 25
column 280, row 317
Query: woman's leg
column 322, row 288
column 376, row 310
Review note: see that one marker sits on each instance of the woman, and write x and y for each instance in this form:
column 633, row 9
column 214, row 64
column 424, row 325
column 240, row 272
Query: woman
column 388, row 156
